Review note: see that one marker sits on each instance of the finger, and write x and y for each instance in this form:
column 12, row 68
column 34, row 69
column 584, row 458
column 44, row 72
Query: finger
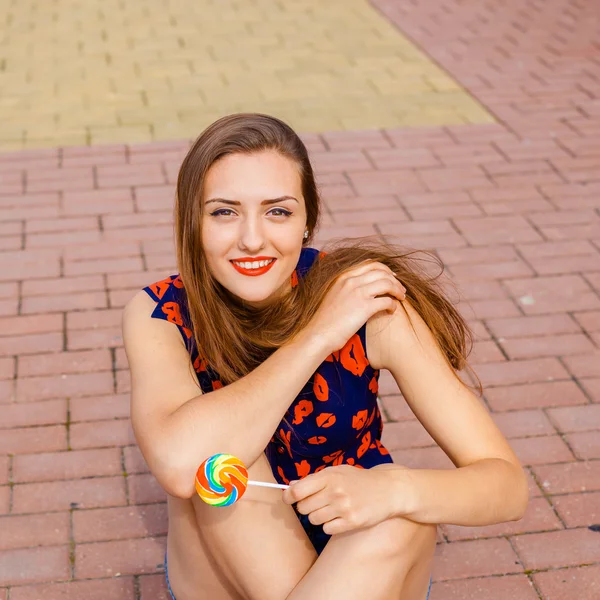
column 363, row 268
column 313, row 503
column 336, row 526
column 378, row 275
column 382, row 287
column 395, row 280
column 308, row 486
column 399, row 281
column 398, row 284
column 384, row 304
column 323, row 515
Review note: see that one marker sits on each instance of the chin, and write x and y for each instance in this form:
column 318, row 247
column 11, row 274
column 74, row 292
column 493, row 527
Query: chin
column 249, row 296
column 258, row 300
column 254, row 291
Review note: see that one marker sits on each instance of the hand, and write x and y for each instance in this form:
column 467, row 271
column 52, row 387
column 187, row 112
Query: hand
column 355, row 296
column 344, row 498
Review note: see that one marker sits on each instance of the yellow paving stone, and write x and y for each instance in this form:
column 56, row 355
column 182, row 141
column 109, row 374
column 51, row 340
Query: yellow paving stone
column 440, row 84
column 104, row 71
column 90, row 119
column 13, row 145
column 431, row 117
column 66, row 140
column 130, row 133
column 132, row 116
column 11, row 133
column 33, row 132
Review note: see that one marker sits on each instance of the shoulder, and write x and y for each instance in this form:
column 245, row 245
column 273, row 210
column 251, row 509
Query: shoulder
column 139, row 326
column 376, row 333
column 170, row 303
column 387, row 333
column 139, row 306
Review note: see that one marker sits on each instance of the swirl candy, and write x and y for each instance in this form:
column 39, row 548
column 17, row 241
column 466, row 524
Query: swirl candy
column 222, row 479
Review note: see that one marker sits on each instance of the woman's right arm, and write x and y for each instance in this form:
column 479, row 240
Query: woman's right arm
column 176, row 426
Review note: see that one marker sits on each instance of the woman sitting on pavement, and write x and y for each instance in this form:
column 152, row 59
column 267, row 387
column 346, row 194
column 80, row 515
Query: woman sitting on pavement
column 270, row 350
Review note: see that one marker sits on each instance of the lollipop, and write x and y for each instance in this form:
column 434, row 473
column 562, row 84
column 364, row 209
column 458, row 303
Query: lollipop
column 222, row 479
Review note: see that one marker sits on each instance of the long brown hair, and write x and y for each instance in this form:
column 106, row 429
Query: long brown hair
column 234, row 338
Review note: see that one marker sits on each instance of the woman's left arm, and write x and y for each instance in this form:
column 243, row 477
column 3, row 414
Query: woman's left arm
column 489, row 485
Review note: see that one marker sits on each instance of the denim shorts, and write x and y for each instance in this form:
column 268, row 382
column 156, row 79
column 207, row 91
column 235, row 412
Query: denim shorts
column 167, row 578
column 173, row 597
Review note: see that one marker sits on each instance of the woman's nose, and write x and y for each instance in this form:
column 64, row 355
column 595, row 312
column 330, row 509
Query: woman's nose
column 252, row 236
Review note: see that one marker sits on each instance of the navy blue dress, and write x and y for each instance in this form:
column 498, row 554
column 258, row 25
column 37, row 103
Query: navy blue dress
column 334, row 420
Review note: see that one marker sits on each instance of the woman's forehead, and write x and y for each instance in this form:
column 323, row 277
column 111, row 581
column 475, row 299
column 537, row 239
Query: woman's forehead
column 267, row 174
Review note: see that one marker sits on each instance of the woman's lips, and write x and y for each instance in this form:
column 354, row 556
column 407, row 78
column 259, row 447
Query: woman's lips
column 253, row 272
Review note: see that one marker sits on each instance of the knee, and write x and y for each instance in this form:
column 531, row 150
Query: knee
column 400, row 538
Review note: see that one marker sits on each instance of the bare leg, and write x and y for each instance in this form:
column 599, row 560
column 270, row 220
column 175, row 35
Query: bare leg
column 259, row 546
column 390, row 561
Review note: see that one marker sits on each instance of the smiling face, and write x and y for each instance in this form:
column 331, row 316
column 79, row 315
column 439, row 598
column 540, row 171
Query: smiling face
column 254, row 211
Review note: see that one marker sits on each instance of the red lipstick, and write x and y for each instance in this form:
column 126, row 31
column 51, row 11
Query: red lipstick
column 253, row 272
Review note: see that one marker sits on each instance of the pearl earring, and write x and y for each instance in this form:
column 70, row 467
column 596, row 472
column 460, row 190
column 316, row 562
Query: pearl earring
column 306, row 234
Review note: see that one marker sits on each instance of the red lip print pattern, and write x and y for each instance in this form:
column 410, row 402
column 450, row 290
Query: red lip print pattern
column 285, row 438
column 382, row 450
column 321, row 388
column 294, row 279
column 317, row 439
column 200, row 364
column 359, row 419
column 301, row 410
column 370, row 419
column 302, row 468
column 338, row 460
column 364, row 446
column 160, row 287
column 282, row 475
column 334, row 356
column 325, row 419
column 331, row 457
column 352, row 356
column 173, row 312
column 374, row 385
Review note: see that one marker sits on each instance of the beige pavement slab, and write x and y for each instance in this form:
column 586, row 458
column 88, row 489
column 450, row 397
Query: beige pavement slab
column 95, row 72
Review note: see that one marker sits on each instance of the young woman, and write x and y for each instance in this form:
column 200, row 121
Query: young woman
column 270, row 350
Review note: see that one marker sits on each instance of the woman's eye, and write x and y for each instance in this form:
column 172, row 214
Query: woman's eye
column 219, row 212
column 222, row 211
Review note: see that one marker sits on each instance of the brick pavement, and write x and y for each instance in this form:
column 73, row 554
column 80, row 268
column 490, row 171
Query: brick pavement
column 511, row 207
column 127, row 72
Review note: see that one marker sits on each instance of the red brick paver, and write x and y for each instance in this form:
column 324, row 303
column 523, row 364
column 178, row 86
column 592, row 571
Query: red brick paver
column 513, row 210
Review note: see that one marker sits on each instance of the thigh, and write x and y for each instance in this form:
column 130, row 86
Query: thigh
column 258, row 543
column 417, row 581
column 192, row 571
column 388, row 561
column 259, row 547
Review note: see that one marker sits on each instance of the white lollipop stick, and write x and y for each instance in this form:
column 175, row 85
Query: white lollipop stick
column 271, row 485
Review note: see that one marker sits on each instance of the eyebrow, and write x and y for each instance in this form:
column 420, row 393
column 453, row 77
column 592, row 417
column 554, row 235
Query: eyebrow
column 236, row 203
